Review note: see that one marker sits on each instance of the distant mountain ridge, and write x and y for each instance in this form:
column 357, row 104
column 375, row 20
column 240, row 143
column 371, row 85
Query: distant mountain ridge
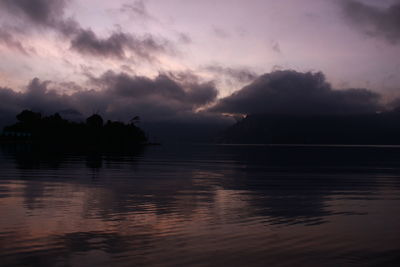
column 379, row 129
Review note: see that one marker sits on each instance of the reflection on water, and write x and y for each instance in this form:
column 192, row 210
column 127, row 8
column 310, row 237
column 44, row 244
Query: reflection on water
column 201, row 205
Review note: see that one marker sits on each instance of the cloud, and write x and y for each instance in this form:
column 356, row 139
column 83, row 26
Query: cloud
column 50, row 14
column 373, row 20
column 184, row 38
column 10, row 107
column 181, row 95
column 116, row 45
column 10, row 41
column 37, row 96
column 115, row 96
column 291, row 92
column 41, row 12
column 276, row 47
column 220, row 33
column 239, row 74
column 136, row 10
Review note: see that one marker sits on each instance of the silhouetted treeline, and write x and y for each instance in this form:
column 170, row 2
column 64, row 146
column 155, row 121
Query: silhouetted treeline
column 31, row 126
column 379, row 129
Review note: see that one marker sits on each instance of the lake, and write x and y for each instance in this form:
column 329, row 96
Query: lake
column 201, row 205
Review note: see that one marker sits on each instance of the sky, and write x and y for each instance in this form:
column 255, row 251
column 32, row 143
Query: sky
column 184, row 59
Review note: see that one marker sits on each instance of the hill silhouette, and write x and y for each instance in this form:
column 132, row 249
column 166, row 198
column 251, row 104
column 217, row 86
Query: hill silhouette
column 350, row 129
column 33, row 127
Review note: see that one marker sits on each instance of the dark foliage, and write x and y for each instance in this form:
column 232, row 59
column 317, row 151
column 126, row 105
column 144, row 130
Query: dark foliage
column 54, row 129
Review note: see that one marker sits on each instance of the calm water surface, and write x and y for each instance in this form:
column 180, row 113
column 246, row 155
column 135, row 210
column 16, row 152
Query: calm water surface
column 201, row 206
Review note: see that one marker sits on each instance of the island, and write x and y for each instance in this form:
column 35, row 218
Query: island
column 32, row 127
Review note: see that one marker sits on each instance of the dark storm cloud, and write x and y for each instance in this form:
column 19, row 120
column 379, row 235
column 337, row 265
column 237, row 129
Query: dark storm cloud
column 242, row 75
column 116, row 96
column 37, row 97
column 10, row 105
column 291, row 92
column 117, row 44
column 187, row 96
column 87, row 42
column 40, row 97
column 374, row 21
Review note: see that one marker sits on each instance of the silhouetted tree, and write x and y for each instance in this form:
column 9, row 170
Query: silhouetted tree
column 95, row 121
column 27, row 116
column 54, row 129
column 135, row 120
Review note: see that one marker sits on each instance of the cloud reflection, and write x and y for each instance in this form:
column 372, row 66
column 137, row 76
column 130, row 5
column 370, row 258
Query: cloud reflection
column 151, row 207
